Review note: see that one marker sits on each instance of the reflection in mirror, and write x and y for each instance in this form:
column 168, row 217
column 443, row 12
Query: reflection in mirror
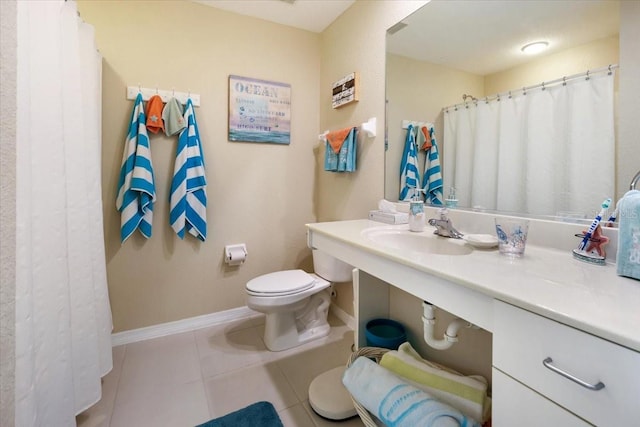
column 542, row 165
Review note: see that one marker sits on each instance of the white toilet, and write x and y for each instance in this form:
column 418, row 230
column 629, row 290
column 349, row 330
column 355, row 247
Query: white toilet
column 296, row 303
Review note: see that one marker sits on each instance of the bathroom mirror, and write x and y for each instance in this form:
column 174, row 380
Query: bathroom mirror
column 450, row 48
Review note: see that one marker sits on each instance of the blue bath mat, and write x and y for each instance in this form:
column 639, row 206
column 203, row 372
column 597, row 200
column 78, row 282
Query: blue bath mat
column 261, row 414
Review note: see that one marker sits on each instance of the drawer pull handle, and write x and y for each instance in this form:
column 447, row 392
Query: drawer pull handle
column 547, row 363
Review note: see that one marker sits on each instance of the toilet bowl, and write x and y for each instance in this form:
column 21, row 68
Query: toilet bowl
column 296, row 303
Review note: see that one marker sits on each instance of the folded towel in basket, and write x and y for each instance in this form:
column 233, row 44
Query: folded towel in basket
column 397, row 403
column 468, row 394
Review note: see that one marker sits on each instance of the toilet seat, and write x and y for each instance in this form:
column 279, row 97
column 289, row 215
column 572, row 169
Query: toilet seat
column 280, row 283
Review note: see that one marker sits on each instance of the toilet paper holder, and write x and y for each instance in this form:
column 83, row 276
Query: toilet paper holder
column 235, row 254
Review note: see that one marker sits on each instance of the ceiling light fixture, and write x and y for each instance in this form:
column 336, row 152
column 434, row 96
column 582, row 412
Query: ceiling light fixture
column 535, row 47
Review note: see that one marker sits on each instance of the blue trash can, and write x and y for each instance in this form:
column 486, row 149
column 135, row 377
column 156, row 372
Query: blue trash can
column 385, row 333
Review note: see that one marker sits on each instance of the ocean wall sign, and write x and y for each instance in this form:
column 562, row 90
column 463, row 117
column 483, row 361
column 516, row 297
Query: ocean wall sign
column 259, row 110
column 345, row 90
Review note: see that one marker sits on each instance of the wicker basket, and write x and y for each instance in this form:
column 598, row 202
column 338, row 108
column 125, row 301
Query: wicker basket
column 375, row 353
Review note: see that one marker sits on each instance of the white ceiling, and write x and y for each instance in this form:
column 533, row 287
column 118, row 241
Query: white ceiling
column 310, row 15
column 485, row 36
column 478, row 36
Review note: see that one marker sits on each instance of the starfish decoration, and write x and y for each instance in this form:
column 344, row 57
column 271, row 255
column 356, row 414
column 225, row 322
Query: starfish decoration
column 154, row 118
column 596, row 242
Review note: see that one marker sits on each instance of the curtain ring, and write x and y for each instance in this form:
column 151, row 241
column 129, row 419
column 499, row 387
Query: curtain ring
column 510, row 95
column 156, row 90
column 587, row 75
column 543, row 88
column 564, row 81
column 609, row 69
column 486, row 100
column 524, row 90
column 139, row 89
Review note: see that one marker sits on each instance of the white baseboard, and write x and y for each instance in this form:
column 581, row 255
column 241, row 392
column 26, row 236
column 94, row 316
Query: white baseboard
column 204, row 321
column 348, row 320
column 184, row 325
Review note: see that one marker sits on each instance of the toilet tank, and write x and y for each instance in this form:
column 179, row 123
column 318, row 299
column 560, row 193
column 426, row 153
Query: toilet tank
column 330, row 268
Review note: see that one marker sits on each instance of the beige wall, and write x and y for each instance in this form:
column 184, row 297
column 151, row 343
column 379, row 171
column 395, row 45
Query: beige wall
column 356, row 41
column 417, row 90
column 8, row 76
column 258, row 194
column 589, row 56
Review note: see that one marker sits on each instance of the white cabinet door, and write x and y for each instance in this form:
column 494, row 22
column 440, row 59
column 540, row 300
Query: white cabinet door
column 517, row 405
column 593, row 378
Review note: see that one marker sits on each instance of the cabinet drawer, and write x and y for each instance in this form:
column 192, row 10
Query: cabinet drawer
column 513, row 404
column 523, row 340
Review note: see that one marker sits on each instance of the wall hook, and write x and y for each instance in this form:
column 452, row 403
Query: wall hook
column 323, row 136
column 369, row 127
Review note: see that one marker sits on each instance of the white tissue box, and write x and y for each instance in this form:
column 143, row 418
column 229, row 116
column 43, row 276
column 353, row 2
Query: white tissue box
column 389, row 217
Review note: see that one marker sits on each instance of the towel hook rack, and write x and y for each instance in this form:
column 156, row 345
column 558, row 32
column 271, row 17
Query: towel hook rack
column 165, row 94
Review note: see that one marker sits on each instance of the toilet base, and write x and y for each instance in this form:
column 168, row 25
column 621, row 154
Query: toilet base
column 282, row 334
column 285, row 330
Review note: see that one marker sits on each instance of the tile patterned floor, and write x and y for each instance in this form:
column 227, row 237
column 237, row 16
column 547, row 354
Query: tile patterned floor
column 189, row 378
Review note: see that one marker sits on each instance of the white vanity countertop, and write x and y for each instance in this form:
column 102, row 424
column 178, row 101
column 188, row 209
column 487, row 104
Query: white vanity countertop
column 550, row 282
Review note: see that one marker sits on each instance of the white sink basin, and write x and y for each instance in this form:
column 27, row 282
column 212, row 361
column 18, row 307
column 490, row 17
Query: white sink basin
column 424, row 242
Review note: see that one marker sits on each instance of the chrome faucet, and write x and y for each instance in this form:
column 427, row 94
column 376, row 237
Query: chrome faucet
column 443, row 225
column 634, row 181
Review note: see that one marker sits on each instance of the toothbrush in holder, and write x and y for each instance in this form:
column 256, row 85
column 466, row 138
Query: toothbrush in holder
column 593, row 226
column 613, row 216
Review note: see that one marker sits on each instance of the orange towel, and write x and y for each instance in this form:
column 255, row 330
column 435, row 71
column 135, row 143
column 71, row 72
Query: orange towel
column 154, row 114
column 426, row 146
column 337, row 137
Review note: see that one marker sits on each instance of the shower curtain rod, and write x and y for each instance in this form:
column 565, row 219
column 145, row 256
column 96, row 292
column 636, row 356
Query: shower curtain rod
column 587, row 74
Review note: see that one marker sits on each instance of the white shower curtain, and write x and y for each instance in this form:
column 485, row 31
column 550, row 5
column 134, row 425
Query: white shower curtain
column 549, row 152
column 63, row 317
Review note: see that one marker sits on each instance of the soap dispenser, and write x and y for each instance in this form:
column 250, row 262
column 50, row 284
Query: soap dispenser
column 451, row 201
column 416, row 212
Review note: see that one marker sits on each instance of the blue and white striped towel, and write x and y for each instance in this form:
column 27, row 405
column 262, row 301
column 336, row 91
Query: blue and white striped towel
column 136, row 188
column 188, row 201
column 409, row 175
column 432, row 179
